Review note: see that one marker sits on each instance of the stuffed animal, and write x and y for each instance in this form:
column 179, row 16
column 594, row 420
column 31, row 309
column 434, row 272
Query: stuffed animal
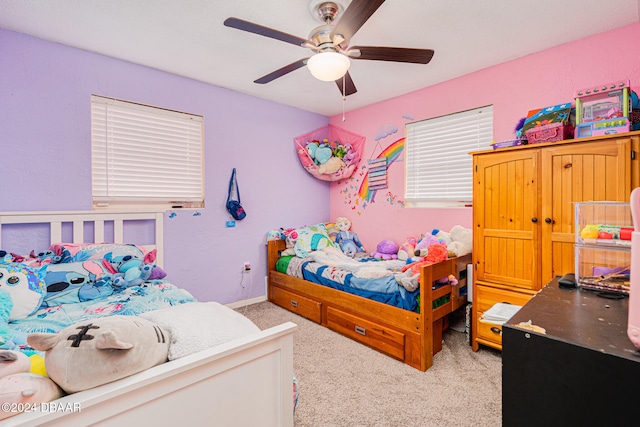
column 275, row 235
column 21, row 385
column 461, row 241
column 422, row 248
column 26, row 390
column 437, row 252
column 128, row 270
column 26, row 287
column 407, row 248
column 74, row 282
column 408, row 280
column 91, row 353
column 134, row 276
column 339, row 150
column 351, row 156
column 311, row 150
column 332, row 165
column 13, row 362
column 291, row 236
column 386, row 249
column 348, row 240
column 442, row 236
column 6, row 305
column 323, row 153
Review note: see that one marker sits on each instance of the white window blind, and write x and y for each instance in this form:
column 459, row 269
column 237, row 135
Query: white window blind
column 144, row 155
column 438, row 167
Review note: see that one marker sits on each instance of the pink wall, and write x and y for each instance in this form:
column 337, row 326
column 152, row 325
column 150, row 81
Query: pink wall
column 513, row 88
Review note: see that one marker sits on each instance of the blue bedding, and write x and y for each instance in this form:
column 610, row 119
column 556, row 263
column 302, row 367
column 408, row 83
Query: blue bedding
column 383, row 289
column 151, row 295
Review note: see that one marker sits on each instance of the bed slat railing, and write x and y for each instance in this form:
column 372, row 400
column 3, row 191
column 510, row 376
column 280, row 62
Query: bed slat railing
column 98, row 218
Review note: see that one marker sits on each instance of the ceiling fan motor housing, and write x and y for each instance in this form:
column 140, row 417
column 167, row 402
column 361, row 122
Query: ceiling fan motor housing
column 321, row 38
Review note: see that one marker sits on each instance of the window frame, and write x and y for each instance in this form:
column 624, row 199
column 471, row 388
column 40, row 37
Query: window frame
column 145, row 156
column 431, row 148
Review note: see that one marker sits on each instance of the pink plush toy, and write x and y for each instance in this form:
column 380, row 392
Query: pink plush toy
column 422, row 248
column 21, row 387
column 386, row 249
column 437, row 252
column 407, row 249
column 27, row 390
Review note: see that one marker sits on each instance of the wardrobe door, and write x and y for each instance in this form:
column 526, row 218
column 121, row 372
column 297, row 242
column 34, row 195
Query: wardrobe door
column 590, row 171
column 506, row 218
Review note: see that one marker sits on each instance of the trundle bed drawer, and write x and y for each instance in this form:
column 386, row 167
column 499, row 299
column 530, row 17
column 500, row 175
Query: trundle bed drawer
column 298, row 304
column 384, row 339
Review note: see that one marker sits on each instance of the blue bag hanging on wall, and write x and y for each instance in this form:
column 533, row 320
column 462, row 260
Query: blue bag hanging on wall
column 233, row 202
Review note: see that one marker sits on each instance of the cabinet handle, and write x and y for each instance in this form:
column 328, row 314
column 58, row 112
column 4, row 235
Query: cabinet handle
column 534, row 219
column 294, row 304
column 496, row 330
column 362, row 331
column 548, row 220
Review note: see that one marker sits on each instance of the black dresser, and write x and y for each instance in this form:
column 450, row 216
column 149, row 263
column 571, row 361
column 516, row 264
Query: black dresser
column 581, row 371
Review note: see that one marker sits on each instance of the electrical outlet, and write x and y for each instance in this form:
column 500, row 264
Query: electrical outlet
column 247, row 266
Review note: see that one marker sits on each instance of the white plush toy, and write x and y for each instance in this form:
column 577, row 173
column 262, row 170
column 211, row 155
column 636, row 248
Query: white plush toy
column 95, row 352
column 332, row 165
column 461, row 240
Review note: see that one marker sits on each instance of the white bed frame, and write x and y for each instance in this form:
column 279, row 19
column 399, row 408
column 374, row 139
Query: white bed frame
column 246, row 382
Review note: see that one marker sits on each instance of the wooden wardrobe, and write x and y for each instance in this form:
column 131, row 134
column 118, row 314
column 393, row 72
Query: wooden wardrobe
column 523, row 214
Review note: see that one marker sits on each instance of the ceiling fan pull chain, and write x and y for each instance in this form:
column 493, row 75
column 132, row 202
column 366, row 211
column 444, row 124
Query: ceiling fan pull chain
column 344, row 96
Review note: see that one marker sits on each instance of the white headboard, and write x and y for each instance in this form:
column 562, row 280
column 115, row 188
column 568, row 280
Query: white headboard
column 98, row 218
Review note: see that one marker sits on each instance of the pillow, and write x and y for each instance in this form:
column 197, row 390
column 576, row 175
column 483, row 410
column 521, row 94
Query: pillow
column 283, row 263
column 196, row 326
column 25, row 285
column 312, row 238
column 73, row 282
column 332, row 230
column 75, row 252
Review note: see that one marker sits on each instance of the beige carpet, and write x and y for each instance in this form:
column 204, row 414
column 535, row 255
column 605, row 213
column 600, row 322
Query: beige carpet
column 343, row 383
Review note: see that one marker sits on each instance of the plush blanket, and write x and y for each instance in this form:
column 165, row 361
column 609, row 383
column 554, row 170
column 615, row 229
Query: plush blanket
column 367, row 268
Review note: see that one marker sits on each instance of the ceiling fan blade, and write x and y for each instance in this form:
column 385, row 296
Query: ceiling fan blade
column 347, row 85
column 356, row 14
column 282, row 71
column 395, row 54
column 264, row 31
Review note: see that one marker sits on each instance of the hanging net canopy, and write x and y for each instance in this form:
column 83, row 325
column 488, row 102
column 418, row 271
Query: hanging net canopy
column 330, row 153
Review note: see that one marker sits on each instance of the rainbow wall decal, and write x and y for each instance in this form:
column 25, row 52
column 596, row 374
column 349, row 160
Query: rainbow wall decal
column 391, row 153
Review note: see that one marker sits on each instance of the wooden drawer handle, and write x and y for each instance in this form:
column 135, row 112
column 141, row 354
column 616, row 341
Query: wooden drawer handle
column 294, row 304
column 362, row 331
column 496, row 330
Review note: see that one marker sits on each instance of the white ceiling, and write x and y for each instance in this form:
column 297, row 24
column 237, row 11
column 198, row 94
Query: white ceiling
column 188, row 38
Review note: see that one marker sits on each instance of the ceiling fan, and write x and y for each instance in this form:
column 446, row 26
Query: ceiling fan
column 330, row 42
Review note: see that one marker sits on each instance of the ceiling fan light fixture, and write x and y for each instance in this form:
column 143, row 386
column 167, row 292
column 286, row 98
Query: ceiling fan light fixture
column 328, row 66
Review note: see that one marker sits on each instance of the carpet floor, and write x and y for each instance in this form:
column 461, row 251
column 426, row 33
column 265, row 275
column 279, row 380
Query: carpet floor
column 343, row 383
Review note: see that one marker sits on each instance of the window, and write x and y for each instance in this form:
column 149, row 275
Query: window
column 145, row 156
column 438, row 167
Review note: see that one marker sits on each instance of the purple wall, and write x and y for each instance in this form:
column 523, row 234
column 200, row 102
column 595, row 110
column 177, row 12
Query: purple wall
column 45, row 137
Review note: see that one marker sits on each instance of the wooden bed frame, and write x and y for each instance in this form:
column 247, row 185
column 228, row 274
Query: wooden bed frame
column 248, row 381
column 408, row 336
